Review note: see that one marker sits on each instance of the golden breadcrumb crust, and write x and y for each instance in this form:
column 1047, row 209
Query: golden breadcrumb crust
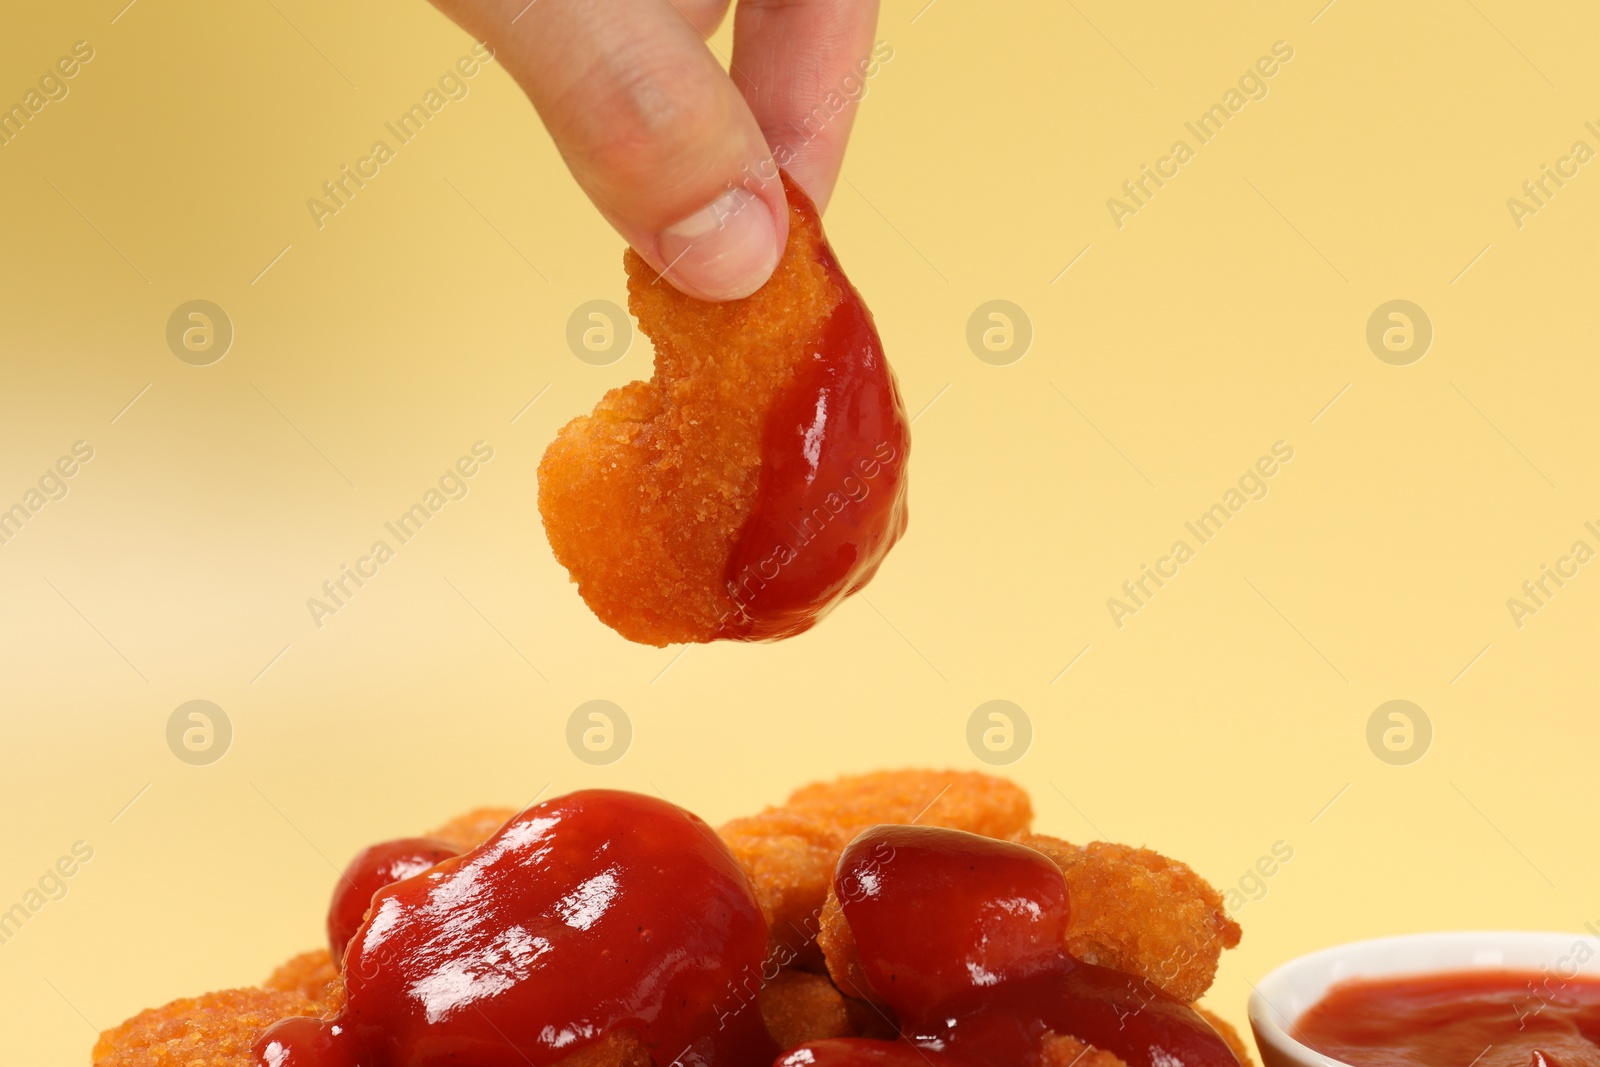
column 1225, row 1030
column 466, row 832
column 1064, row 1050
column 312, row 974
column 215, row 1030
column 1138, row 912
column 799, row 1007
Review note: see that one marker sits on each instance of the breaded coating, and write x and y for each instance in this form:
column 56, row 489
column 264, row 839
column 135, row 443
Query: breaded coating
column 311, row 974
column 1132, row 910
column 467, row 832
column 799, row 1007
column 216, row 1030
column 789, row 852
column 958, row 800
column 839, row 955
column 789, row 858
column 1137, row 912
column 644, row 500
column 219, row 1029
column 1063, row 1050
column 620, row 1048
column 1239, row 1046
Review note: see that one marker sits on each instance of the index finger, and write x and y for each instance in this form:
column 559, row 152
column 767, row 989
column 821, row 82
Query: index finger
column 803, row 66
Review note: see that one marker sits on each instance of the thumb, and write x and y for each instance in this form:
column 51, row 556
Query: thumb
column 654, row 131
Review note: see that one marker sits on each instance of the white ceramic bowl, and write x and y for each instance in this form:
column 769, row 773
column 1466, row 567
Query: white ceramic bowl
column 1283, row 996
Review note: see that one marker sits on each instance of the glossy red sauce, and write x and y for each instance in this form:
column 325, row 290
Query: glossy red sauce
column 371, row 870
column 962, row 937
column 831, row 500
column 588, row 914
column 1486, row 1018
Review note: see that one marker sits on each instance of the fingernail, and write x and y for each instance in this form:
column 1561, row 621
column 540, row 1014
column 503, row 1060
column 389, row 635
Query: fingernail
column 724, row 251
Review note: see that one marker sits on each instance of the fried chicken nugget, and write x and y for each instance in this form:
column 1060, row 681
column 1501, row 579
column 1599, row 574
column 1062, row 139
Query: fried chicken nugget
column 789, row 852
column 216, row 1030
column 312, row 974
column 1225, row 1030
column 220, row 1029
column 799, row 1007
column 1137, row 912
column 1064, row 1050
column 619, row 1048
column 644, row 500
column 467, row 832
column 838, row 944
column 1132, row 910
column 789, row 858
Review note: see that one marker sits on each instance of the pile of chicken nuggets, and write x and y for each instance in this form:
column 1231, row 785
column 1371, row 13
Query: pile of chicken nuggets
column 1132, row 910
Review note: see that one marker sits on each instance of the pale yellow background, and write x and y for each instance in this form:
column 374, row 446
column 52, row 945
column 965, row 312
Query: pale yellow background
column 1224, row 317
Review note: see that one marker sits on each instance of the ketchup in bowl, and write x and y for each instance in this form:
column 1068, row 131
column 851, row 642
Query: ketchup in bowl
column 1478, row 1018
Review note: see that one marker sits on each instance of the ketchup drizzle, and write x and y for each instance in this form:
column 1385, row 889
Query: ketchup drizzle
column 583, row 916
column 371, row 870
column 831, row 500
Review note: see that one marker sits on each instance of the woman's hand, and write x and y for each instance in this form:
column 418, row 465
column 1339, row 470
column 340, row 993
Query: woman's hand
column 679, row 156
